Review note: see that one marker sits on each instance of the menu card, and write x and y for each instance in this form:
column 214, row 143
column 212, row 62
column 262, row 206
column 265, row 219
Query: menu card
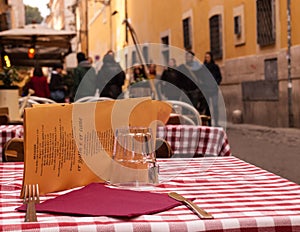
column 70, row 145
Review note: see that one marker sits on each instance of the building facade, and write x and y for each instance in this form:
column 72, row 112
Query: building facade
column 12, row 14
column 62, row 17
column 249, row 40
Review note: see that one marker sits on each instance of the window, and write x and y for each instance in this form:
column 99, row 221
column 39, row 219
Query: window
column 237, row 26
column 265, row 11
column 126, row 61
column 165, row 49
column 216, row 36
column 271, row 69
column 146, row 54
column 4, row 22
column 187, row 41
column 165, row 40
column 133, row 58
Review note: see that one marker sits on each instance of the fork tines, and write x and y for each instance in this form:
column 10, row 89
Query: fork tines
column 31, row 197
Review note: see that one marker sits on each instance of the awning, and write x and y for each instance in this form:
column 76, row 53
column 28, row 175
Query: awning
column 51, row 46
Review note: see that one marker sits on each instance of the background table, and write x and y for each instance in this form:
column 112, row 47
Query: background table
column 186, row 139
column 8, row 132
column 241, row 197
column 183, row 139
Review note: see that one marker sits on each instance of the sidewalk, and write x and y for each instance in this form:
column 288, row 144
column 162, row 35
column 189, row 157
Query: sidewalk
column 274, row 149
column 290, row 136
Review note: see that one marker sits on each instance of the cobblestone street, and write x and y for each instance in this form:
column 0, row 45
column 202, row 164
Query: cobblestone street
column 274, row 149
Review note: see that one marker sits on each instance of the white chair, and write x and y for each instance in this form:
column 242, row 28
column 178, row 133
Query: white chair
column 140, row 89
column 185, row 112
column 92, row 99
column 42, row 100
column 35, row 100
column 28, row 101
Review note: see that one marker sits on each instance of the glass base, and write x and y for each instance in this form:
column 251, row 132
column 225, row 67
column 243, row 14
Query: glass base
column 133, row 186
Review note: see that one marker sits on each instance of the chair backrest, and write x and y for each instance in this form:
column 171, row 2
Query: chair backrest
column 4, row 116
column 42, row 100
column 163, row 149
column 93, row 99
column 188, row 113
column 4, row 119
column 140, row 89
column 13, row 150
column 30, row 100
column 177, row 119
column 4, row 110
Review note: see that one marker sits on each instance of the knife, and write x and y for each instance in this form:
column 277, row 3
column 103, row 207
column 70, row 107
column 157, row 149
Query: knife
column 200, row 212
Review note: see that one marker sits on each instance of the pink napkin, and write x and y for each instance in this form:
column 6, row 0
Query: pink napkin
column 99, row 200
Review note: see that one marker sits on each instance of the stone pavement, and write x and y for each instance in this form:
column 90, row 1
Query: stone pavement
column 274, row 149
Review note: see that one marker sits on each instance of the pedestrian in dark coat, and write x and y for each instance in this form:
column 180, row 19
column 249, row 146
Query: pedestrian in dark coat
column 57, row 86
column 213, row 95
column 170, row 82
column 110, row 77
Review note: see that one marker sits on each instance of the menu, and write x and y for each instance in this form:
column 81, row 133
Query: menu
column 70, row 145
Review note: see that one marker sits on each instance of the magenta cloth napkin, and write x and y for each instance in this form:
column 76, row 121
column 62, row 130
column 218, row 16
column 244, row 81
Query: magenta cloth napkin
column 96, row 199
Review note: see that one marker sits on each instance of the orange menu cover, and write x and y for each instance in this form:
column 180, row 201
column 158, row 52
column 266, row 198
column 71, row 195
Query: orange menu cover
column 70, row 145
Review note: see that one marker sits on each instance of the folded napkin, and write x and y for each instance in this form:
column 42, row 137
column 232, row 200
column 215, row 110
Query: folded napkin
column 96, row 199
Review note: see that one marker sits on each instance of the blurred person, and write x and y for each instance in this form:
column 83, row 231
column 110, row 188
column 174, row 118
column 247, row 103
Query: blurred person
column 152, row 71
column 191, row 73
column 90, row 60
column 138, row 73
column 38, row 82
column 83, row 68
column 110, row 77
column 57, row 86
column 213, row 95
column 170, row 81
column 97, row 64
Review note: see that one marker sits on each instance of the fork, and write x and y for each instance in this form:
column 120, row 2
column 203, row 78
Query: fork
column 31, row 197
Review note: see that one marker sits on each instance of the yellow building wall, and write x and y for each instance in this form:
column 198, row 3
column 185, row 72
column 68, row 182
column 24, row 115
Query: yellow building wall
column 243, row 59
column 152, row 18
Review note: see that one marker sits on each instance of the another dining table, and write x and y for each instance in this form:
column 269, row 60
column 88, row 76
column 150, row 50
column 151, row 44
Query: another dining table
column 183, row 139
column 8, row 132
column 240, row 196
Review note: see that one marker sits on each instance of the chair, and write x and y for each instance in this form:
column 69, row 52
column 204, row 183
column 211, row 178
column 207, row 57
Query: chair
column 163, row 149
column 35, row 100
column 4, row 116
column 92, row 99
column 13, row 150
column 177, row 119
column 4, row 119
column 140, row 89
column 28, row 101
column 184, row 113
column 42, row 100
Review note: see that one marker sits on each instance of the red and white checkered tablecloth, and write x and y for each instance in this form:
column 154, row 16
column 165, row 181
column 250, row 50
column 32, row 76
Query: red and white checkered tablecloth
column 8, row 132
column 185, row 139
column 240, row 196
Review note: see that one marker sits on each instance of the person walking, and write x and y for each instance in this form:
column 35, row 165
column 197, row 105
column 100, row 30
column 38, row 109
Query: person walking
column 170, row 81
column 213, row 95
column 57, row 87
column 110, row 77
column 83, row 69
column 190, row 81
column 38, row 82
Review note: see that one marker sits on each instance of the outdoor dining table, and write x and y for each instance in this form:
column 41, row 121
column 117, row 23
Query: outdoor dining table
column 8, row 132
column 240, row 196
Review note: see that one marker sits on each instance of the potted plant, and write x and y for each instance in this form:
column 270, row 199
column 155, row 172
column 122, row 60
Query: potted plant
column 8, row 76
column 9, row 92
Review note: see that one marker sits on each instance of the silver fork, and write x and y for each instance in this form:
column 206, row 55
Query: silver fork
column 31, row 197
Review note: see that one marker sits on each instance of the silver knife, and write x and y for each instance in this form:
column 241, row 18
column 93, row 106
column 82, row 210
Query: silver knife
column 200, row 212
